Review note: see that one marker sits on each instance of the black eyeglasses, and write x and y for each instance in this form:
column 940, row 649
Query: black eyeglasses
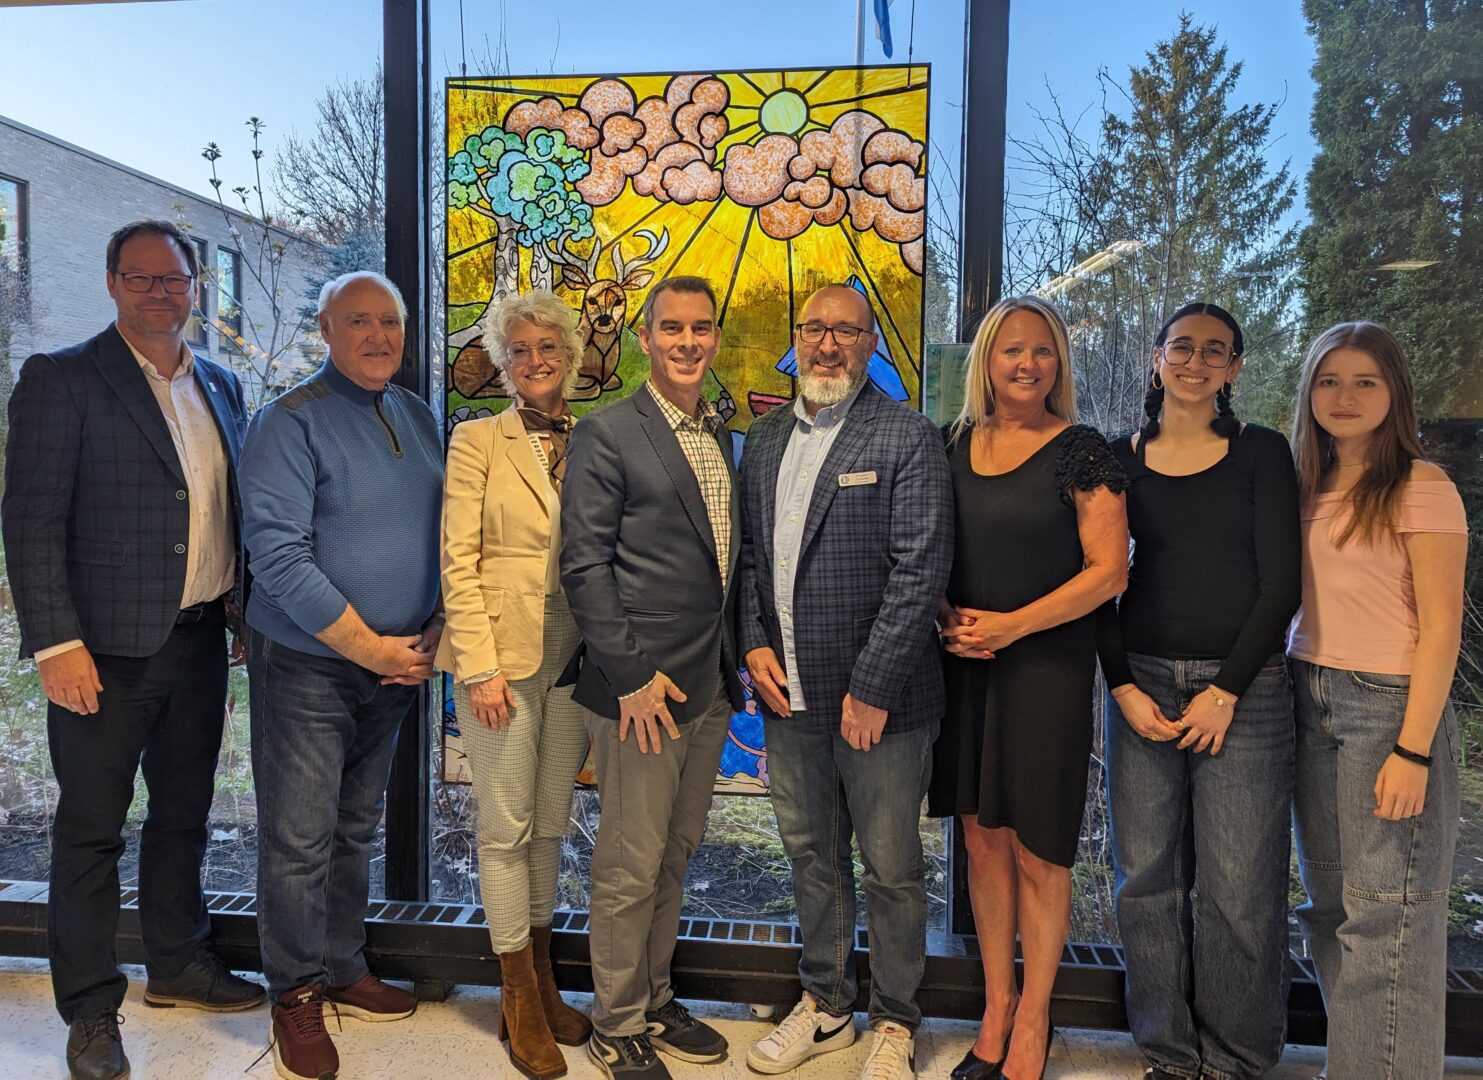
column 844, row 333
column 179, row 284
column 1214, row 353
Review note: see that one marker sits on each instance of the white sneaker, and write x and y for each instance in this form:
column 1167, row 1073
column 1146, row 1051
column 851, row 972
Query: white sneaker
column 804, row 1032
column 893, row 1055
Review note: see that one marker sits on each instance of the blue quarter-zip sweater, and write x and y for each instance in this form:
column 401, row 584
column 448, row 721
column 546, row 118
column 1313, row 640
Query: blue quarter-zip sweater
column 341, row 495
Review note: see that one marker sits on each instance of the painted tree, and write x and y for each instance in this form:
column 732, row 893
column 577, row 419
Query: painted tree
column 1398, row 114
column 527, row 185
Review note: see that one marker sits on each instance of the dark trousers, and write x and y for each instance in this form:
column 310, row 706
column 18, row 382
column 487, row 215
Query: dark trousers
column 162, row 714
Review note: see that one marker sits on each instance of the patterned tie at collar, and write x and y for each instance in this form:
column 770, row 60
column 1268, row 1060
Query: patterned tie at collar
column 556, row 428
column 537, row 421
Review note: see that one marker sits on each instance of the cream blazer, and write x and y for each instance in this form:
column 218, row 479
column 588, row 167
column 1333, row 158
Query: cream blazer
column 497, row 524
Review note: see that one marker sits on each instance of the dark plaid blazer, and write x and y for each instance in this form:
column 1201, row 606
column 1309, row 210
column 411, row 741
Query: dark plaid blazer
column 96, row 513
column 873, row 563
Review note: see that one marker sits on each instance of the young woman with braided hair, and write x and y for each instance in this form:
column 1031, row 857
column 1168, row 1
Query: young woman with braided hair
column 1199, row 717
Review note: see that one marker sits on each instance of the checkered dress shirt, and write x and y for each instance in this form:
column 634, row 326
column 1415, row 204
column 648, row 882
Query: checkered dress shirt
column 697, row 438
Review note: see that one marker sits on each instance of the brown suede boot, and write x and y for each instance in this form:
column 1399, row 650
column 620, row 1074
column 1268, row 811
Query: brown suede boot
column 569, row 1026
column 522, row 1021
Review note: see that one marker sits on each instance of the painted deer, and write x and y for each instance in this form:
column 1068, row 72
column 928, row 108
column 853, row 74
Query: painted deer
column 605, row 306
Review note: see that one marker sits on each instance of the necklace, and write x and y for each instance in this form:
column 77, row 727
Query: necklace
column 1349, row 465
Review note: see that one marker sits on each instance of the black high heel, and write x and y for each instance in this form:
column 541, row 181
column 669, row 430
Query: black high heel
column 1050, row 1037
column 973, row 1067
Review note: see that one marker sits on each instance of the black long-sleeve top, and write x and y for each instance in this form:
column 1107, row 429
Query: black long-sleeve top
column 1216, row 571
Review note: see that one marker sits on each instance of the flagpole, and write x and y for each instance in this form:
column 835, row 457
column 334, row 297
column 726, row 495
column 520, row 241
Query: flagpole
column 859, row 32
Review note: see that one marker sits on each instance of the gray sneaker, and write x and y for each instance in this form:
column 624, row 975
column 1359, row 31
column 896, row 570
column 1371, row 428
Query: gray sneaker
column 626, row 1057
column 680, row 1035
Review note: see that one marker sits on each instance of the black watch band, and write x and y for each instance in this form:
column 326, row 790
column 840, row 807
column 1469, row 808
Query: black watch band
column 1412, row 756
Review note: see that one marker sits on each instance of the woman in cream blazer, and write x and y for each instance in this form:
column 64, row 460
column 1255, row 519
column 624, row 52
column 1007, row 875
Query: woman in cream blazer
column 508, row 637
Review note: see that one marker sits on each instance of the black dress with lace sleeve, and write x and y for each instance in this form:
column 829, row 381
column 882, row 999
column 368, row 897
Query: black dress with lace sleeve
column 1017, row 736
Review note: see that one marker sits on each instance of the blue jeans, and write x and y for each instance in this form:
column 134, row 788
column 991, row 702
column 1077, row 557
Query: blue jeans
column 822, row 792
column 323, row 734
column 1376, row 916
column 1206, row 974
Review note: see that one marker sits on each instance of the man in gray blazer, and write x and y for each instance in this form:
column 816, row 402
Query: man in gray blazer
column 650, row 539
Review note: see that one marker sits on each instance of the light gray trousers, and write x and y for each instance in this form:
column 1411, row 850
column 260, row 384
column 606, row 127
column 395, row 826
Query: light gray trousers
column 522, row 780
column 654, row 808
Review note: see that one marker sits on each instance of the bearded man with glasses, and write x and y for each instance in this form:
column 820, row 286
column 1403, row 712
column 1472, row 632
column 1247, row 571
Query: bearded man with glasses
column 847, row 541
column 122, row 524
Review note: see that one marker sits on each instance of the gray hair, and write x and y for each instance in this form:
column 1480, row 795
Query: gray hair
column 539, row 307
column 330, row 288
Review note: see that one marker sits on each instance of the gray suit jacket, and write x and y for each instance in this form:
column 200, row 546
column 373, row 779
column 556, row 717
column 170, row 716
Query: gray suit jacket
column 639, row 563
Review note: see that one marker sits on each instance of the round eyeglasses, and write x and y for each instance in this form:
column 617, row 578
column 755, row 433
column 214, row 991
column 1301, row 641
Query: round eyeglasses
column 1215, row 354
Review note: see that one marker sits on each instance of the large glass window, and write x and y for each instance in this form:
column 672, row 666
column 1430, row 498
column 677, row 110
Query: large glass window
column 785, row 71
column 78, row 163
column 1296, row 164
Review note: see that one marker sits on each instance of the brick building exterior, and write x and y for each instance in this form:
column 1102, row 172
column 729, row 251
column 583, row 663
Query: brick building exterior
column 58, row 205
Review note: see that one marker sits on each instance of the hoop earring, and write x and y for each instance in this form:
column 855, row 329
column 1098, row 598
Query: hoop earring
column 1155, row 381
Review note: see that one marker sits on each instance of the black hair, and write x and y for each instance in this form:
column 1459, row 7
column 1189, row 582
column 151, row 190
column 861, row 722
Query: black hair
column 1225, row 423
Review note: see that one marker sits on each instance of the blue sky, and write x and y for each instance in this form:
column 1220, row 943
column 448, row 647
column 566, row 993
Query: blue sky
column 64, row 69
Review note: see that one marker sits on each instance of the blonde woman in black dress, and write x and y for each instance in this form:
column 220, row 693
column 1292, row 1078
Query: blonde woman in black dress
column 1042, row 541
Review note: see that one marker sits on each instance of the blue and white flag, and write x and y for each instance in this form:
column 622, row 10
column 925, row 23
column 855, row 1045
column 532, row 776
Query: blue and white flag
column 883, row 25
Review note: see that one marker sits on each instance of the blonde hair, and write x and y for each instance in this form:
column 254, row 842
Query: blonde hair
column 1392, row 448
column 978, row 390
column 539, row 307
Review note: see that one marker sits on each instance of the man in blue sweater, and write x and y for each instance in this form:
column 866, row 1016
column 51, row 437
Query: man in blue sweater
column 341, row 489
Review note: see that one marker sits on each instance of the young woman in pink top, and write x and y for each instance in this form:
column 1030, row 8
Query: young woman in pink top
column 1374, row 647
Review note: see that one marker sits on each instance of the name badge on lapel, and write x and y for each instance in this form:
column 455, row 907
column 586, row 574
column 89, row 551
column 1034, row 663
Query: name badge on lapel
column 856, row 479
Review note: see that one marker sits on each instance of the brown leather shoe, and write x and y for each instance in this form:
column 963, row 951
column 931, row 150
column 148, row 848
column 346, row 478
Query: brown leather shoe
column 522, row 1020
column 368, row 998
column 569, row 1026
column 302, row 1049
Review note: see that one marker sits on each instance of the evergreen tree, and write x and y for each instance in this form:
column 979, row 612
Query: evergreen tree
column 1398, row 115
column 1181, row 201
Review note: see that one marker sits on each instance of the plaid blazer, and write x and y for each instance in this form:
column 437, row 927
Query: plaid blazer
column 872, row 567
column 96, row 514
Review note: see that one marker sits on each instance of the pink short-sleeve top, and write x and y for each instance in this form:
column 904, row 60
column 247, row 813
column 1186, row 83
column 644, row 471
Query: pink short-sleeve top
column 1359, row 601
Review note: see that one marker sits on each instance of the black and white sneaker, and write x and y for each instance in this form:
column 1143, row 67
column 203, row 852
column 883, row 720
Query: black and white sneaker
column 673, row 1030
column 893, row 1054
column 804, row 1032
column 626, row 1057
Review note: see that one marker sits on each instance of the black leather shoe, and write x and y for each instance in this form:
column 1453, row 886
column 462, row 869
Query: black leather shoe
column 973, row 1067
column 205, row 983
column 95, row 1050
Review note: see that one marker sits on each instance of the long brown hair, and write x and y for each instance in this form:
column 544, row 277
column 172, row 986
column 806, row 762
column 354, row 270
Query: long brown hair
column 978, row 391
column 1392, row 448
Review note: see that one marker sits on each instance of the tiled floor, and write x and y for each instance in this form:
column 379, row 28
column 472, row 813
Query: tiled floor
column 455, row 1039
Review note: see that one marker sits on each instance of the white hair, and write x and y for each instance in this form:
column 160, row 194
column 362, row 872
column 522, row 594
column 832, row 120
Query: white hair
column 331, row 288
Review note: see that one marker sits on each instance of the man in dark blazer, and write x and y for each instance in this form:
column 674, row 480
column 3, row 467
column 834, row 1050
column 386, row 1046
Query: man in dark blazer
column 648, row 561
column 121, row 528
column 847, row 542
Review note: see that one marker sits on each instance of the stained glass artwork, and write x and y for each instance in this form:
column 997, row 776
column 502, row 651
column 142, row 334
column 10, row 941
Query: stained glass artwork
column 768, row 183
